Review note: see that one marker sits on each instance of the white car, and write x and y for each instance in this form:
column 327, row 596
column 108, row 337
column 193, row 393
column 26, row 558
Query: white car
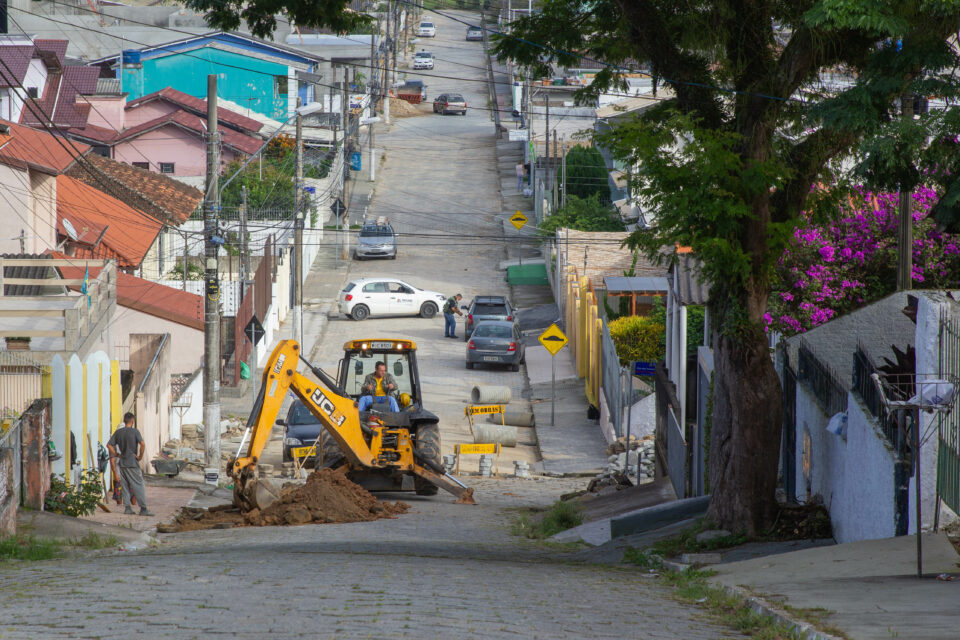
column 423, row 60
column 388, row 297
column 427, row 30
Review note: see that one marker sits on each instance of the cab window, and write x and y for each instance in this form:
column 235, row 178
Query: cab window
column 360, row 365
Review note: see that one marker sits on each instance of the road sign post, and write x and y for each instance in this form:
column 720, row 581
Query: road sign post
column 553, row 339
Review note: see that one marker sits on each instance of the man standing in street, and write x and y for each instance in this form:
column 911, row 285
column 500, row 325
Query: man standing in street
column 449, row 322
column 131, row 447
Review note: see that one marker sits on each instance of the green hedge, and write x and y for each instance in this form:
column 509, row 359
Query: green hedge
column 637, row 338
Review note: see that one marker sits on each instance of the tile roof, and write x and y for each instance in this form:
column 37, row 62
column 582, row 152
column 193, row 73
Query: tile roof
column 39, row 150
column 59, row 100
column 129, row 233
column 686, row 280
column 16, row 58
column 198, row 107
column 148, row 297
column 94, row 133
column 32, row 272
column 187, row 121
column 155, row 194
column 57, row 48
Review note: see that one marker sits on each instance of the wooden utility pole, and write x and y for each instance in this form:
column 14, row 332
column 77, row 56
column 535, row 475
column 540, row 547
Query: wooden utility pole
column 298, row 239
column 211, row 299
column 563, row 172
column 244, row 242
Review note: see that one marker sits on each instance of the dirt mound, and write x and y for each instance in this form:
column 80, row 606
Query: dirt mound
column 327, row 497
column 402, row 109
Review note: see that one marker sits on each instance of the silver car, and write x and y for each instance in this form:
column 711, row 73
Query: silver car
column 496, row 342
column 377, row 240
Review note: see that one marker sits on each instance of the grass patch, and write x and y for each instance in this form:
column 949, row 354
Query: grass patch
column 27, row 547
column 559, row 517
column 686, row 541
column 93, row 540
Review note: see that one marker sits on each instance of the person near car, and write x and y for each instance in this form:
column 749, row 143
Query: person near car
column 126, row 448
column 521, row 175
column 379, row 383
column 450, row 307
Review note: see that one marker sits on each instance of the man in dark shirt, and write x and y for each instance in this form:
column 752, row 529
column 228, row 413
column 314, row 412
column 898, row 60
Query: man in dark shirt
column 131, row 447
column 449, row 322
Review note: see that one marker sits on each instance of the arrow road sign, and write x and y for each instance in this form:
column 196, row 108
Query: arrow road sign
column 553, row 339
column 518, row 220
column 254, row 331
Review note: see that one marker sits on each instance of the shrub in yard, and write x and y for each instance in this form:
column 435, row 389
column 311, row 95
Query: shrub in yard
column 74, row 500
column 637, row 338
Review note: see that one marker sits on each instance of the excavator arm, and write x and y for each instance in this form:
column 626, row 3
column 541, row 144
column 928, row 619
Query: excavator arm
column 364, row 446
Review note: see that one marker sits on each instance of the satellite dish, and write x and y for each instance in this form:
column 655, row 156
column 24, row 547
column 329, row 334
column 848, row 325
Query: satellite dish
column 68, row 226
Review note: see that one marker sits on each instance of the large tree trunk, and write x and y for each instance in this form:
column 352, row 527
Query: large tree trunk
column 745, row 434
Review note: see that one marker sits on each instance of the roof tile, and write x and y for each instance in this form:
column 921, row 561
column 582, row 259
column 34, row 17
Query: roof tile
column 198, row 106
column 39, row 150
column 14, row 60
column 234, row 139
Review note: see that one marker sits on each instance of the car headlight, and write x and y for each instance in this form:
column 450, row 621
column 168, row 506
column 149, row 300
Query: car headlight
column 292, row 442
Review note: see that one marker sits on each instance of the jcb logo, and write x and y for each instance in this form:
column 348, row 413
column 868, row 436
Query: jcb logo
column 328, row 407
column 280, row 360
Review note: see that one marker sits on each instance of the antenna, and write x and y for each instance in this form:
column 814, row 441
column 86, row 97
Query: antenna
column 71, row 231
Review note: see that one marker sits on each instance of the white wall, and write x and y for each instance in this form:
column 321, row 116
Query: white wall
column 191, row 415
column 186, row 343
column 853, row 476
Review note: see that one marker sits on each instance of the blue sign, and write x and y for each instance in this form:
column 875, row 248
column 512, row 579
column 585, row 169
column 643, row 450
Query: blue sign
column 644, row 368
column 355, row 160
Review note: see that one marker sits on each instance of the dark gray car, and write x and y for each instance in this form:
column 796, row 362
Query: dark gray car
column 376, row 241
column 487, row 308
column 495, row 342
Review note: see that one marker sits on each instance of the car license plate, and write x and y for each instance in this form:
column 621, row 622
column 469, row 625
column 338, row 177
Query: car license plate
column 491, row 358
column 303, row 452
column 381, row 345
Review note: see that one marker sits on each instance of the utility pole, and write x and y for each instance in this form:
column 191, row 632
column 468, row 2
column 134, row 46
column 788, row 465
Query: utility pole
column 211, row 301
column 556, row 177
column 244, row 243
column 386, row 65
column 563, row 171
column 905, row 223
column 347, row 136
column 333, row 89
column 546, row 141
column 373, row 66
column 298, row 239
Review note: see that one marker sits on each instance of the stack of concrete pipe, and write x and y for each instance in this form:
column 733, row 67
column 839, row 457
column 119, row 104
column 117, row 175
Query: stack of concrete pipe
column 500, row 429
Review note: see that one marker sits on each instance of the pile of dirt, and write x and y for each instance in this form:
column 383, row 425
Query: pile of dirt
column 403, row 109
column 327, row 497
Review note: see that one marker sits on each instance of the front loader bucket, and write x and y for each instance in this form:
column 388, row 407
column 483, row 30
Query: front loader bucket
column 256, row 493
column 448, row 483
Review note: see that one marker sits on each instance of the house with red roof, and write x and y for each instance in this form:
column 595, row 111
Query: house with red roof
column 163, row 131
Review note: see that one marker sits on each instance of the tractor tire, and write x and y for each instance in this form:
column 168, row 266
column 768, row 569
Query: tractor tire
column 329, row 450
column 428, row 444
column 360, row 312
column 428, row 310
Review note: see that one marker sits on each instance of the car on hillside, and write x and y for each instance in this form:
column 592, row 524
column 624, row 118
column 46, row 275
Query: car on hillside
column 496, row 342
column 367, row 297
column 484, row 308
column 427, row 30
column 423, row 60
column 300, row 429
column 376, row 240
column 450, row 103
column 474, row 33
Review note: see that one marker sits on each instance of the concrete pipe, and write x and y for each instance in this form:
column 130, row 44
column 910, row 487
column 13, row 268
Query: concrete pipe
column 490, row 394
column 515, row 417
column 495, row 434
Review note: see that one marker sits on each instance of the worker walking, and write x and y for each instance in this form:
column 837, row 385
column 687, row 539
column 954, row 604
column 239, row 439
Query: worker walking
column 131, row 448
column 450, row 323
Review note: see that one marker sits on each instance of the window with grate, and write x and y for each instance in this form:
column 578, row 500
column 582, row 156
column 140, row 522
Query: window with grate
column 142, row 165
column 166, row 167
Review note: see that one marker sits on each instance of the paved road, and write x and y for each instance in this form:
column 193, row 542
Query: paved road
column 442, row 570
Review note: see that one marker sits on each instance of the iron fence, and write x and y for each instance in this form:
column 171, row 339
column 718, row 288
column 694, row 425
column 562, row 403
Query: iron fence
column 822, row 381
column 948, row 428
column 21, row 382
column 611, row 380
column 10, row 474
column 866, row 388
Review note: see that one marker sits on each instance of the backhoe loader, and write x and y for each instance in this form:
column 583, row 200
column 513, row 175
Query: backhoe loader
column 368, row 444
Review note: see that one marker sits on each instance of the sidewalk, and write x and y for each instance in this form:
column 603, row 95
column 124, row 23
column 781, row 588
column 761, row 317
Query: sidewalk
column 869, row 588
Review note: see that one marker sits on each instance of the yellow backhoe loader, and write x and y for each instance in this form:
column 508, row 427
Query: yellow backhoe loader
column 385, row 445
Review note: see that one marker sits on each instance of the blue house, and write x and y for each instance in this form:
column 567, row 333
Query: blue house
column 263, row 76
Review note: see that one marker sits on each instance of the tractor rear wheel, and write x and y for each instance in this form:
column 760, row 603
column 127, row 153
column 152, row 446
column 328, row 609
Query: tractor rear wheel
column 428, row 445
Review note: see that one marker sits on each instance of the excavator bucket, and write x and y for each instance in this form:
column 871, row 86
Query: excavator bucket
column 448, row 483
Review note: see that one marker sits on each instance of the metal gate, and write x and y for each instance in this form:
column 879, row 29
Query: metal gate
column 948, row 452
column 789, row 447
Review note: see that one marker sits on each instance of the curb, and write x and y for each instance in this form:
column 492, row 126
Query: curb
column 763, row 607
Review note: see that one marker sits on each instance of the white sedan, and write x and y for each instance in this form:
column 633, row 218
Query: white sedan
column 388, row 297
column 423, row 60
column 427, row 30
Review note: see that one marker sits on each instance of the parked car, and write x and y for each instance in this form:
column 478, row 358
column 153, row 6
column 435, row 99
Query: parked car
column 427, row 30
column 376, row 240
column 423, row 60
column 496, row 342
column 388, row 297
column 474, row 33
column 484, row 308
column 450, row 103
column 300, row 429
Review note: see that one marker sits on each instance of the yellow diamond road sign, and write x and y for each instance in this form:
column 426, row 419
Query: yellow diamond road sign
column 518, row 220
column 553, row 339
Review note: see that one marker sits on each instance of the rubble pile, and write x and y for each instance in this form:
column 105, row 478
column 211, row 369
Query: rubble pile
column 621, row 461
column 328, row 496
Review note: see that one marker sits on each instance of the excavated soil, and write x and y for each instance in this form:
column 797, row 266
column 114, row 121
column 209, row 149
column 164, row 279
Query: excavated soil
column 403, row 109
column 327, row 497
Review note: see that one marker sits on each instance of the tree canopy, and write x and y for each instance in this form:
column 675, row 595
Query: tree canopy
column 728, row 162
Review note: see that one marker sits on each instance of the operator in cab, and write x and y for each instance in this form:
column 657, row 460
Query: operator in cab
column 378, row 389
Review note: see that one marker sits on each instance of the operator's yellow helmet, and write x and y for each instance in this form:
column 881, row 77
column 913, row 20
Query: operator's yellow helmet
column 405, row 400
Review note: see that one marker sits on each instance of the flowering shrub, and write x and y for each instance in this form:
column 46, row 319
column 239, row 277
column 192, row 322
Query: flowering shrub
column 833, row 268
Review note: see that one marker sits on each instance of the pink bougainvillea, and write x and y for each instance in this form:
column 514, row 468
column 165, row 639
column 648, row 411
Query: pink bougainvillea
column 830, row 269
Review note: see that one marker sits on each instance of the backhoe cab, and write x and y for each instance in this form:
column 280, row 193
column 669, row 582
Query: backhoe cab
column 379, row 448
